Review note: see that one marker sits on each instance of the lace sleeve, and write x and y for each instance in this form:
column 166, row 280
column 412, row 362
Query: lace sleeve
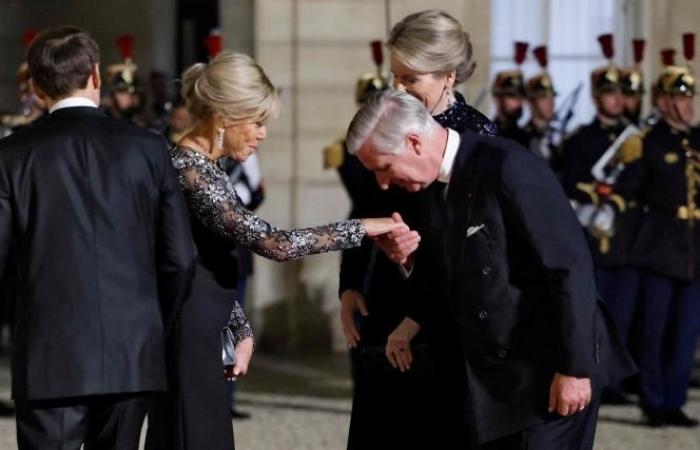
column 239, row 324
column 213, row 201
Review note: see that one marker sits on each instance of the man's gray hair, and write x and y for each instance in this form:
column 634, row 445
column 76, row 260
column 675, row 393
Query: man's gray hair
column 386, row 119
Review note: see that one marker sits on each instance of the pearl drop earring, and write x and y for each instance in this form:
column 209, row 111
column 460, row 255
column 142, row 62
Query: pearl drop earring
column 220, row 137
column 450, row 97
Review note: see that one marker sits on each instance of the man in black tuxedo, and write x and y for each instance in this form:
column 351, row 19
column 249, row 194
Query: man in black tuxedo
column 95, row 231
column 507, row 281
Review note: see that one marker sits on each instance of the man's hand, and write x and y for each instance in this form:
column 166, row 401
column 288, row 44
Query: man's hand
column 398, row 344
column 400, row 243
column 568, row 395
column 244, row 352
column 351, row 301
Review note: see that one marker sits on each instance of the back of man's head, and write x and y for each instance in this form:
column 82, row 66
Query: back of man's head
column 387, row 118
column 61, row 60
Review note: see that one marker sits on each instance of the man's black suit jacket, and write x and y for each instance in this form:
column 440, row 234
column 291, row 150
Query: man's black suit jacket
column 97, row 231
column 504, row 263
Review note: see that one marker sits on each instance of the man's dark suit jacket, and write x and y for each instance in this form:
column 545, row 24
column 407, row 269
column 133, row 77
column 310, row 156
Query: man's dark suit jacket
column 96, row 225
column 504, row 263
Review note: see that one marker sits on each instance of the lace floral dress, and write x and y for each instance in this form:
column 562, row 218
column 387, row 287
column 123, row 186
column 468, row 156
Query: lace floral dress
column 197, row 406
column 213, row 201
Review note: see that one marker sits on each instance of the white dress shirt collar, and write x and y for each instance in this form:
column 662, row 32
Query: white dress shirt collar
column 448, row 160
column 72, row 102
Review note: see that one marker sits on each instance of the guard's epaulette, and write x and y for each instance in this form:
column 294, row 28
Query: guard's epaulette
column 334, row 154
column 631, row 149
column 15, row 120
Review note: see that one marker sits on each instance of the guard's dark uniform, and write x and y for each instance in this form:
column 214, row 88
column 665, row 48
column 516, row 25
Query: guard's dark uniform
column 511, row 83
column 664, row 178
column 668, row 249
column 542, row 138
column 617, row 280
column 540, row 142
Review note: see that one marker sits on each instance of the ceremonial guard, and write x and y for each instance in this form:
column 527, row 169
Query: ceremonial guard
column 31, row 106
column 663, row 174
column 668, row 56
column 540, row 136
column 508, row 90
column 124, row 100
column 633, row 84
column 591, row 168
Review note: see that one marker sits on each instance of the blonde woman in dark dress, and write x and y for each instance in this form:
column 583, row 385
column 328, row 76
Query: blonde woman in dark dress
column 231, row 99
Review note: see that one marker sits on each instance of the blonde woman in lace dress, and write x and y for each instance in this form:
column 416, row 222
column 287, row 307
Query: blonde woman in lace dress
column 232, row 99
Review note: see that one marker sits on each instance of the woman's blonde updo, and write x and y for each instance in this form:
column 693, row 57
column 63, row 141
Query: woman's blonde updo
column 433, row 41
column 232, row 85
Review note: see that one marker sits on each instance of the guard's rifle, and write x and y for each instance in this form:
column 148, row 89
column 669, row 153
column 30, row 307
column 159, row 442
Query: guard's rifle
column 555, row 132
column 609, row 167
column 563, row 116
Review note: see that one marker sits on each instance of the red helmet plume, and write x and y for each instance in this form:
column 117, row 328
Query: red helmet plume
column 377, row 53
column 668, row 56
column 28, row 36
column 689, row 46
column 638, row 49
column 541, row 56
column 214, row 44
column 606, row 45
column 520, row 52
column 125, row 44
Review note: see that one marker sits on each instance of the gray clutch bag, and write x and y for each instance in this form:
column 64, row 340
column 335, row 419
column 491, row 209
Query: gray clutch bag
column 228, row 347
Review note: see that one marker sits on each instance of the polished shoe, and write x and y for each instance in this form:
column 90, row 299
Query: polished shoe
column 610, row 397
column 238, row 414
column 677, row 418
column 654, row 418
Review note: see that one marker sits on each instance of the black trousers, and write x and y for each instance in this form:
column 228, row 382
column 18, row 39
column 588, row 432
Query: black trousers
column 104, row 422
column 391, row 409
column 574, row 432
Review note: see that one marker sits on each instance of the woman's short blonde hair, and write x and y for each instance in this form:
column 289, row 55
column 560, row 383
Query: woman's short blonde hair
column 433, row 41
column 232, row 85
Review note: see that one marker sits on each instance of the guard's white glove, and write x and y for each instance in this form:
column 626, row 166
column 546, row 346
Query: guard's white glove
column 584, row 212
column 604, row 219
column 598, row 219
